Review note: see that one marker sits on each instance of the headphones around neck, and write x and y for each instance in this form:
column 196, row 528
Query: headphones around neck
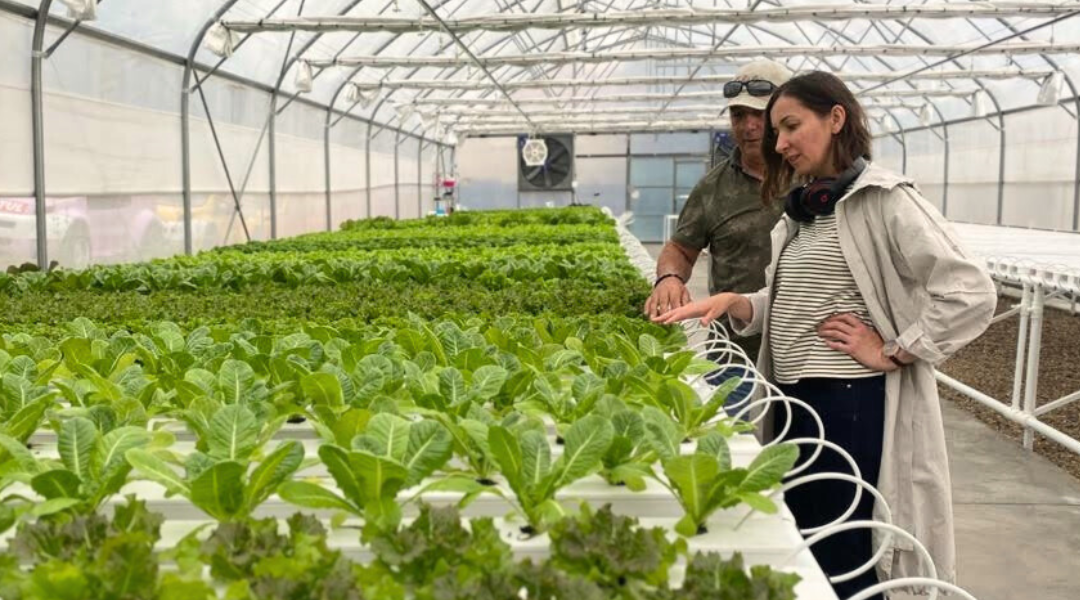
column 819, row 197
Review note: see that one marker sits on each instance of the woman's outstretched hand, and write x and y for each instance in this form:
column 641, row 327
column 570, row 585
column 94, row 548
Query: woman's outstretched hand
column 708, row 309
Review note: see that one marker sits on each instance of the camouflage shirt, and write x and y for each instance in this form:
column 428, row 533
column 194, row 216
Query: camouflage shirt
column 724, row 213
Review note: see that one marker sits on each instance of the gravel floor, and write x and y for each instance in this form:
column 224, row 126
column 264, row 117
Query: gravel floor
column 987, row 364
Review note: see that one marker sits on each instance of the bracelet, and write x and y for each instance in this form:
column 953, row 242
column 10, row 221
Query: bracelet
column 897, row 361
column 665, row 276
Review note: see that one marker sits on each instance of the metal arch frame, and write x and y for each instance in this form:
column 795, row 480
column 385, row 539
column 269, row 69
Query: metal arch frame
column 1001, row 119
column 1076, row 116
column 522, row 70
column 459, row 94
column 828, row 28
column 838, row 35
column 42, row 17
column 502, row 41
column 330, row 123
column 944, row 137
column 290, row 61
column 496, row 43
column 185, row 117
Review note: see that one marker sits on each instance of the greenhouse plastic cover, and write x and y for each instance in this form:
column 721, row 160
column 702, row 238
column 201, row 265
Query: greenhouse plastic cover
column 113, row 111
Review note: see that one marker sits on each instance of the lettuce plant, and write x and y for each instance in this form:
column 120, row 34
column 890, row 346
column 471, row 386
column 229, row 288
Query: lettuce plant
column 628, row 461
column 696, row 418
column 526, row 464
column 614, row 552
column 23, row 401
column 92, row 467
column 86, row 556
column 218, row 481
column 394, row 454
column 471, row 436
column 711, row 577
column 705, row 482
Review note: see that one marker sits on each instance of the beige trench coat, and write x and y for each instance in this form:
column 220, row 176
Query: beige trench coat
column 922, row 290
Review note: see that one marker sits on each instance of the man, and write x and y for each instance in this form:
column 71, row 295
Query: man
column 724, row 212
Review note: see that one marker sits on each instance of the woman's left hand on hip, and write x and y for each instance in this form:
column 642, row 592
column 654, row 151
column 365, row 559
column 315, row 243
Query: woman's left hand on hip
column 848, row 334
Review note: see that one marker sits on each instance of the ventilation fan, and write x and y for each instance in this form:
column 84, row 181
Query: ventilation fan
column 557, row 171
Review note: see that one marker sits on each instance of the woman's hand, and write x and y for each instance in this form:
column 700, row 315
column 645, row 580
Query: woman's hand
column 848, row 334
column 709, row 309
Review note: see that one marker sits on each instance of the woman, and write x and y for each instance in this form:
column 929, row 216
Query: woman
column 868, row 289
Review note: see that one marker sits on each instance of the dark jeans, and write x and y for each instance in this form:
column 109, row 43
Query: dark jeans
column 853, row 412
column 735, row 400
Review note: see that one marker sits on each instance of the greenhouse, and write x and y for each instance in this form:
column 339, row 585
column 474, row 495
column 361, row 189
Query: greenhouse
column 539, row 299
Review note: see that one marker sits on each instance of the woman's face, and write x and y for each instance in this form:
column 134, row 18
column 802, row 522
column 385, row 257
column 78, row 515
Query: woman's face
column 804, row 138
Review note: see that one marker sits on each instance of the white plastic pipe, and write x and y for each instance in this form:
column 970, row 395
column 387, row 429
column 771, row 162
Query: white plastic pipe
column 723, row 52
column 920, row 549
column 512, row 22
column 1016, row 416
column 707, row 80
column 912, row 582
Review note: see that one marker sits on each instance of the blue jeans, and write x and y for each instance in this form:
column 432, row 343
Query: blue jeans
column 853, row 412
column 736, row 399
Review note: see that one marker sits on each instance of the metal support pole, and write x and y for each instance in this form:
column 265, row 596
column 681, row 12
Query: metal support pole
column 37, row 95
column 1034, row 349
column 367, row 168
column 945, row 184
column 326, row 172
column 224, row 164
column 629, row 165
column 1076, row 177
column 271, row 147
column 286, row 62
column 397, row 176
column 185, row 118
column 1001, row 165
column 1021, row 346
column 420, row 179
column 903, row 150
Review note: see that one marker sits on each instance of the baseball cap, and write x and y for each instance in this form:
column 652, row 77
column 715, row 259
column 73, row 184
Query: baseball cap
column 758, row 70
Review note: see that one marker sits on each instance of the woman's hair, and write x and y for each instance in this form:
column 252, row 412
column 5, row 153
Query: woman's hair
column 819, row 92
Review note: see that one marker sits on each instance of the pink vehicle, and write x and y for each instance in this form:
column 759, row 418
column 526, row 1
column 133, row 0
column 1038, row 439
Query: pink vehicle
column 81, row 230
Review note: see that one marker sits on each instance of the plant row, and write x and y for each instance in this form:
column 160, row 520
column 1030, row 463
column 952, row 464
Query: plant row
column 486, row 356
column 578, row 215
column 483, row 398
column 483, row 272
column 593, row 556
column 547, row 274
column 448, row 237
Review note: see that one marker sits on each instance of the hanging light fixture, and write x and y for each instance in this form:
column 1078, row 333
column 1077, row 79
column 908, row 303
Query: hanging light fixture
column 978, row 104
column 304, row 79
column 221, row 41
column 1050, row 92
column 361, row 96
column 926, row 115
column 404, row 110
column 428, row 118
column 81, row 10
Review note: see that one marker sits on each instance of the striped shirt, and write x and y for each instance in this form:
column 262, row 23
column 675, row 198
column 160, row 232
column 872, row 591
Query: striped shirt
column 813, row 282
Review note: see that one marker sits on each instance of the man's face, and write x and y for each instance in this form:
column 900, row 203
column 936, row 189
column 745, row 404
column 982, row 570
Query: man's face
column 748, row 126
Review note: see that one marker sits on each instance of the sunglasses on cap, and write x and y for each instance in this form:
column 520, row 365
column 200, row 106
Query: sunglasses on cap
column 755, row 87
